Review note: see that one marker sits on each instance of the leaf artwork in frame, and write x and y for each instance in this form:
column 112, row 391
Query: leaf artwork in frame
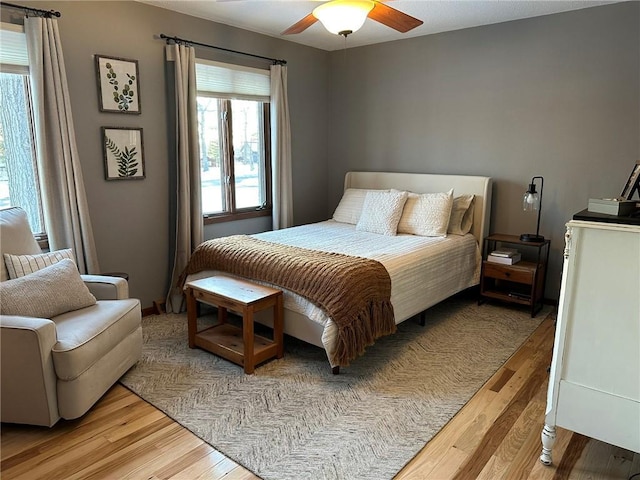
column 118, row 84
column 123, row 153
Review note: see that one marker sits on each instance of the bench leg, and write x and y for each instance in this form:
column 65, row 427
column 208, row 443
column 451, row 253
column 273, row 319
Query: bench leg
column 222, row 315
column 278, row 326
column 247, row 337
column 192, row 317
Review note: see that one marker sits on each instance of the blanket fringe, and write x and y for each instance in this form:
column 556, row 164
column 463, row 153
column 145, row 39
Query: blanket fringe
column 356, row 336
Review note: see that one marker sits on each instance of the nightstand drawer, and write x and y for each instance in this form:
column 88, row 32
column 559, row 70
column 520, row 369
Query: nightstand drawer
column 511, row 273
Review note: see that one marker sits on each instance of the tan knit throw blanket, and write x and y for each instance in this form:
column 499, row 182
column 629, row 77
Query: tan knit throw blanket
column 355, row 292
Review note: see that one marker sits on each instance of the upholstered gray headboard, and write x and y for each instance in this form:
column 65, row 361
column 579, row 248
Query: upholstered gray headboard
column 432, row 183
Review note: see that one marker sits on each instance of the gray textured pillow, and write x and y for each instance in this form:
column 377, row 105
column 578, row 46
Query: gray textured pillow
column 51, row 291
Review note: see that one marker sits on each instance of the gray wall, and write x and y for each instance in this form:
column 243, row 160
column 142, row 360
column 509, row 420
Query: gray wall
column 131, row 218
column 557, row 96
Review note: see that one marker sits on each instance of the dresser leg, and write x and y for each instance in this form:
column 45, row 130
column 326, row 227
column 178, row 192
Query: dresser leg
column 548, row 439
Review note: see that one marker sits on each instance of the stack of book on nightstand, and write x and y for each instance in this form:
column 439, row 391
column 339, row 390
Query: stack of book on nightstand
column 505, row 256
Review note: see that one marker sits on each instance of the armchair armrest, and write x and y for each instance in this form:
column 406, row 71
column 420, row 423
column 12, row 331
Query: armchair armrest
column 28, row 378
column 107, row 288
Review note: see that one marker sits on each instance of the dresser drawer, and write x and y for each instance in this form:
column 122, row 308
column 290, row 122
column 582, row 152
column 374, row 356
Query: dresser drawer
column 508, row 272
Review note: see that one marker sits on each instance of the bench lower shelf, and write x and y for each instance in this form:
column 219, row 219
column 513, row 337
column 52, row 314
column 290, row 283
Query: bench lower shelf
column 226, row 341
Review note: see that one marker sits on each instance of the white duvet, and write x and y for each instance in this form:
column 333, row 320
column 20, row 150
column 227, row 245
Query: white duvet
column 423, row 270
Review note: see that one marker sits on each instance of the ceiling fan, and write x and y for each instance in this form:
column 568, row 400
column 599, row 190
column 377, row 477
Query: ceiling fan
column 343, row 17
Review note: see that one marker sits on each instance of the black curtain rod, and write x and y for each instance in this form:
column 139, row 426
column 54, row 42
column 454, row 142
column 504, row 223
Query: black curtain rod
column 190, row 42
column 44, row 13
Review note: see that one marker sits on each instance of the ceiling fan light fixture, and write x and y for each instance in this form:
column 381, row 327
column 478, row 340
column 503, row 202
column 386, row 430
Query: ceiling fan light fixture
column 343, row 17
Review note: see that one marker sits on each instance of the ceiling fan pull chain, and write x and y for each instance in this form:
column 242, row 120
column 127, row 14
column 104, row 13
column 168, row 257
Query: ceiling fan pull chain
column 344, row 48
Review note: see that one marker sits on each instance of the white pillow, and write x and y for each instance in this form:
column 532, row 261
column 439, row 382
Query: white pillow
column 49, row 292
column 461, row 219
column 381, row 212
column 427, row 214
column 21, row 265
column 350, row 207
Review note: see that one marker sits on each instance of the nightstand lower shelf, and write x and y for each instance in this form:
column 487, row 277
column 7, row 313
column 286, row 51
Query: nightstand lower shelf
column 513, row 297
column 510, row 291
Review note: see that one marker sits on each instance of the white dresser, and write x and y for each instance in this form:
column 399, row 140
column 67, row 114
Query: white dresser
column 594, row 385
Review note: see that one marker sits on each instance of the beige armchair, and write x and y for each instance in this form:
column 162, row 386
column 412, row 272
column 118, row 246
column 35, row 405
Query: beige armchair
column 58, row 367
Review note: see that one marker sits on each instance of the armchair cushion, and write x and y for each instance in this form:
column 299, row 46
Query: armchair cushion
column 21, row 265
column 46, row 293
column 85, row 336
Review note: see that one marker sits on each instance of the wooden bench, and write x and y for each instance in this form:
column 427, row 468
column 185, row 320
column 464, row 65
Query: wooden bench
column 238, row 345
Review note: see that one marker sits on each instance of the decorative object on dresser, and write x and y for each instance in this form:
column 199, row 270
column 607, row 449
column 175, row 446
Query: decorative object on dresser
column 612, row 206
column 594, row 384
column 533, row 202
column 623, row 205
column 506, row 276
column 633, row 183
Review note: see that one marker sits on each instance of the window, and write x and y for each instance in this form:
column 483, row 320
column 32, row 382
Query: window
column 234, row 134
column 19, row 184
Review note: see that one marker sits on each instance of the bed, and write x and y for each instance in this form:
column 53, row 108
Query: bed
column 423, row 270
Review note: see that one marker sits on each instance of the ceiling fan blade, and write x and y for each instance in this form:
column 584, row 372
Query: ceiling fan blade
column 393, row 18
column 301, row 26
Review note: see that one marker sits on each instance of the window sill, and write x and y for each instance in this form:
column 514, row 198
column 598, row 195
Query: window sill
column 43, row 242
column 230, row 217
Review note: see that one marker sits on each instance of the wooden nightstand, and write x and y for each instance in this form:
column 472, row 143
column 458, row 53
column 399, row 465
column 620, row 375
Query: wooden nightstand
column 523, row 282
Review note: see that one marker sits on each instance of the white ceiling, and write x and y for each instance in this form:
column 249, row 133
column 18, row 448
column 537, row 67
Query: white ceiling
column 270, row 17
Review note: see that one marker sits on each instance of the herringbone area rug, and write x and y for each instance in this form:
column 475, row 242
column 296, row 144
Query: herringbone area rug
column 293, row 419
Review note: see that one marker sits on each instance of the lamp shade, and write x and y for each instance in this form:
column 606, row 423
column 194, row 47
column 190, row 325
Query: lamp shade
column 343, row 17
column 532, row 202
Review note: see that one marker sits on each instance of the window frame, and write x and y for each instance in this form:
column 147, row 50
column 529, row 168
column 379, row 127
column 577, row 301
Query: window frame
column 18, row 65
column 228, row 168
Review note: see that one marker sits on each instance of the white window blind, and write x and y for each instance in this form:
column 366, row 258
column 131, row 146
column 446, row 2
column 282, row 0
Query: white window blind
column 232, row 81
column 13, row 49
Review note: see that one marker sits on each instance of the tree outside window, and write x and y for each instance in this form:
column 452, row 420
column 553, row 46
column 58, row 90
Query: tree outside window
column 18, row 171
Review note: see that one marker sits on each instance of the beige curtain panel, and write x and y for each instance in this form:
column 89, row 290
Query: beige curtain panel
column 281, row 150
column 64, row 201
column 189, row 225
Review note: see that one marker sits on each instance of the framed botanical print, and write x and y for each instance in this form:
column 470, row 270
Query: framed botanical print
column 118, row 84
column 123, row 153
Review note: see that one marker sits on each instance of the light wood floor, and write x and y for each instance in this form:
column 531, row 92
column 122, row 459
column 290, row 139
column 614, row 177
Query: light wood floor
column 495, row 436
